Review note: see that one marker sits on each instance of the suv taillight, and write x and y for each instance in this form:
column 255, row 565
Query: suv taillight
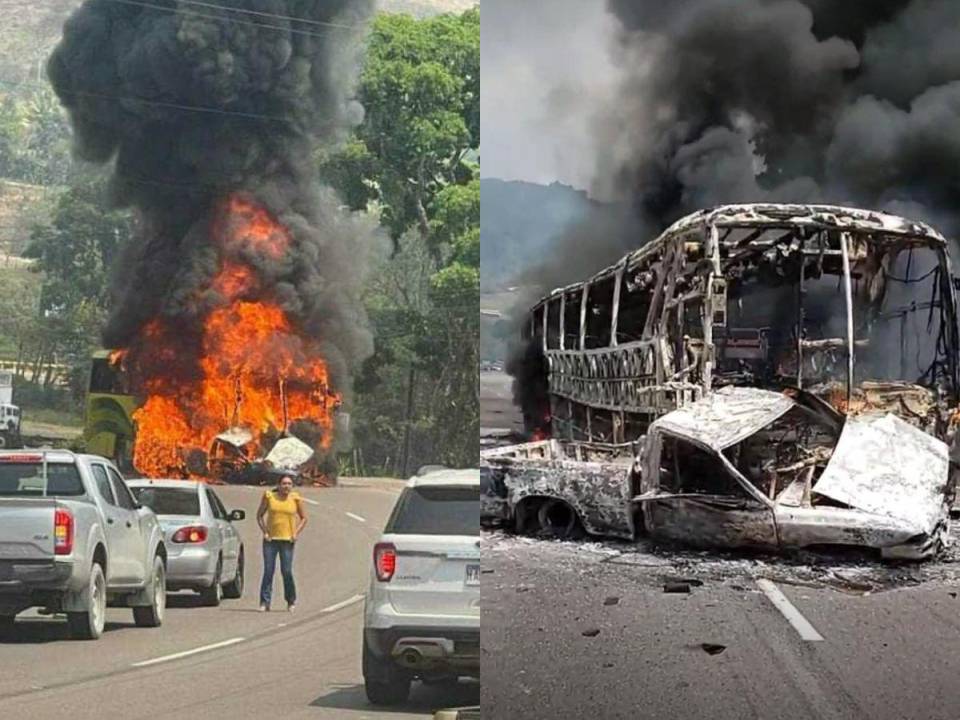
column 190, row 534
column 384, row 561
column 62, row 531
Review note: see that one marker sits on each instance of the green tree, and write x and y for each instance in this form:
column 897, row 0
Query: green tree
column 412, row 157
column 421, row 90
column 73, row 254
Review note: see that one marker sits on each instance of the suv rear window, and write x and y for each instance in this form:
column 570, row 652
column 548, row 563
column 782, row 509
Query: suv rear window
column 169, row 501
column 437, row 511
column 25, row 479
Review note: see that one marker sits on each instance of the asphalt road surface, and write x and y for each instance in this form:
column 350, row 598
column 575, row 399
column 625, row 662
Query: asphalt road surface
column 231, row 661
column 586, row 630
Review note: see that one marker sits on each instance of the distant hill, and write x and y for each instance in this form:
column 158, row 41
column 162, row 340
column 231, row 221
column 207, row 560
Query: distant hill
column 518, row 223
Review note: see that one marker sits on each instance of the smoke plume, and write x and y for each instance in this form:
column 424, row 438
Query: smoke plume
column 191, row 103
column 724, row 101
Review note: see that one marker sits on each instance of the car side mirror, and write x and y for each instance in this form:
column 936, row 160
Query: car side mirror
column 237, row 515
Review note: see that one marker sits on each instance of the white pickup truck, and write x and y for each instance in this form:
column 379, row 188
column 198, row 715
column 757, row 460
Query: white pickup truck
column 73, row 539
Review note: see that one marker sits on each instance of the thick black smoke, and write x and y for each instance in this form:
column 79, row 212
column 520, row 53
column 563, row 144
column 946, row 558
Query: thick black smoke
column 748, row 100
column 722, row 101
column 190, row 103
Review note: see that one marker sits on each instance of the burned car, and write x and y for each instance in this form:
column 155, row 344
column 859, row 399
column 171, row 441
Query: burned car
column 752, row 468
column 741, row 468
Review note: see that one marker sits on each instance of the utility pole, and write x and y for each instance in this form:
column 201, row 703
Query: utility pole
column 408, row 415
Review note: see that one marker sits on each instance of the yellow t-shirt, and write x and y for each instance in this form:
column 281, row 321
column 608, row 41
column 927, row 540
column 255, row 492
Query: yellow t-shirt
column 281, row 515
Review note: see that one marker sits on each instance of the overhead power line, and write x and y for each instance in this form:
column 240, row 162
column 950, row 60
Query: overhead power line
column 271, row 15
column 147, row 101
column 239, row 21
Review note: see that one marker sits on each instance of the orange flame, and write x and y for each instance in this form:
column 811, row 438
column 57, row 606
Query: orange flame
column 254, row 369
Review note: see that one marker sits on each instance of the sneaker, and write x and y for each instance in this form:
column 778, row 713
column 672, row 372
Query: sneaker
column 264, row 608
column 291, row 607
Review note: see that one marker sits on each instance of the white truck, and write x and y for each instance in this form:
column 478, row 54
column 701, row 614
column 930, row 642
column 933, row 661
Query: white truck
column 73, row 539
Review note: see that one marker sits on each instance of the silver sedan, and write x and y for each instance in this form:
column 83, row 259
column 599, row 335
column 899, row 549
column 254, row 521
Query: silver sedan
column 204, row 550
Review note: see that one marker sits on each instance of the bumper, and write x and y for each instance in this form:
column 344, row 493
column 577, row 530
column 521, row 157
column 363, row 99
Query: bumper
column 24, row 577
column 191, row 568
column 428, row 650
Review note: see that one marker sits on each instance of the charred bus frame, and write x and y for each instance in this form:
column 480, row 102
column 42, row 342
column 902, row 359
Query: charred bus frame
column 812, row 296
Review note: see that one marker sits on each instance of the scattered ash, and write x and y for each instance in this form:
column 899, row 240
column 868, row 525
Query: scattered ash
column 652, row 565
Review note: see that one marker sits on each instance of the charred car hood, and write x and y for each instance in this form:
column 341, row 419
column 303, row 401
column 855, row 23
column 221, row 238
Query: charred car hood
column 885, row 466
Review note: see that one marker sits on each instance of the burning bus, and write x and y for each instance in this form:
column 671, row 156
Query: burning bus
column 854, row 311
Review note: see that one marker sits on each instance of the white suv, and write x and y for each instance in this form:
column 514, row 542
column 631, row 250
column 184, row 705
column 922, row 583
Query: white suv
column 422, row 614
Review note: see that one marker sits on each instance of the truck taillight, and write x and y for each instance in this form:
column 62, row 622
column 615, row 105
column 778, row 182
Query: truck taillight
column 384, row 561
column 190, row 534
column 62, row 532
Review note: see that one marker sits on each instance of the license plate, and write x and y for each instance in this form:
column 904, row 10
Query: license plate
column 473, row 575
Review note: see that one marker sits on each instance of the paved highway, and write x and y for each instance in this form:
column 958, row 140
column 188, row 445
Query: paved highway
column 231, row 661
column 586, row 630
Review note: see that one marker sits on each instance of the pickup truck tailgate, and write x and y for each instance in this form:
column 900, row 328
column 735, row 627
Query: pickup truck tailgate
column 26, row 528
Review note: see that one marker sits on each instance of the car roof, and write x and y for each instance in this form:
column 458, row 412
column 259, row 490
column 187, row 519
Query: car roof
column 446, row 477
column 164, row 482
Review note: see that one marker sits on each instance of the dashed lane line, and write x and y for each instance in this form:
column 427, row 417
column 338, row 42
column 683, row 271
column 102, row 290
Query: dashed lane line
column 355, row 517
column 233, row 641
column 188, row 653
column 344, row 603
column 807, row 631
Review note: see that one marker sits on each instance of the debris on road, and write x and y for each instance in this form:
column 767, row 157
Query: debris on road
column 712, row 649
column 592, row 632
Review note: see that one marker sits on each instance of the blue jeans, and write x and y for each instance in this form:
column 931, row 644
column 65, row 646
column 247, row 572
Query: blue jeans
column 272, row 548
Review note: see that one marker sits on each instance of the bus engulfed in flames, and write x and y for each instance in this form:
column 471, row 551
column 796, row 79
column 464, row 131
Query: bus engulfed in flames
column 235, row 366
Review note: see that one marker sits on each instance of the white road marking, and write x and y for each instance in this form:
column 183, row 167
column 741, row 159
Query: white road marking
column 312, row 502
column 345, row 603
column 356, row 517
column 807, row 631
column 187, row 653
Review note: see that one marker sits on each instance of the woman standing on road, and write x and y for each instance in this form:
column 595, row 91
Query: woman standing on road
column 282, row 519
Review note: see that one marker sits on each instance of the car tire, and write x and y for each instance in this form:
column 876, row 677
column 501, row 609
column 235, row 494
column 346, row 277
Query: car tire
column 234, row 589
column 88, row 624
column 393, row 692
column 384, row 682
column 152, row 615
column 6, row 625
column 446, row 681
column 211, row 596
column 559, row 520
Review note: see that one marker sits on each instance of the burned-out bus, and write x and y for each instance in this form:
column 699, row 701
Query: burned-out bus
column 856, row 306
column 763, row 375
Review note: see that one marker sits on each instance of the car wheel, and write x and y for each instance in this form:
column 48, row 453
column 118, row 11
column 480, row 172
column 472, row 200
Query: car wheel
column 211, row 596
column 152, row 615
column 88, row 624
column 6, row 625
column 383, row 681
column 387, row 693
column 234, row 588
column 559, row 520
column 445, row 681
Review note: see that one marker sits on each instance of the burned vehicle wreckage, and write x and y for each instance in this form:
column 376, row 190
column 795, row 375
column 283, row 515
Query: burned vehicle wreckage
column 770, row 376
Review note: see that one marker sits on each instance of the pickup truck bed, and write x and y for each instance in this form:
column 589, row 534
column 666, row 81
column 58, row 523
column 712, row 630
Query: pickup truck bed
column 72, row 539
